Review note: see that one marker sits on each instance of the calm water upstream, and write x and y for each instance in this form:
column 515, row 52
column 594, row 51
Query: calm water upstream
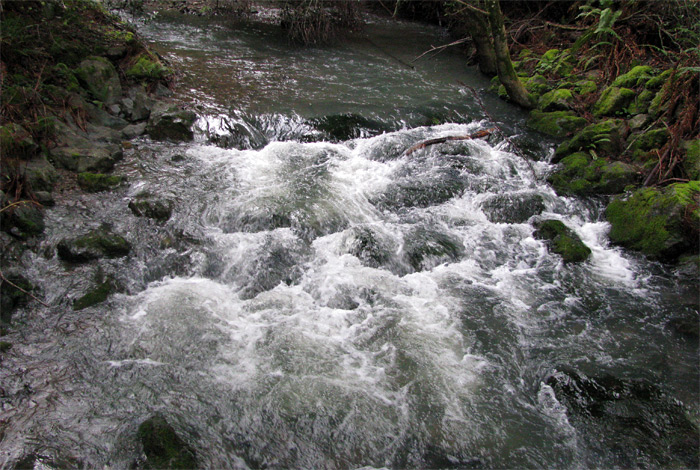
column 320, row 300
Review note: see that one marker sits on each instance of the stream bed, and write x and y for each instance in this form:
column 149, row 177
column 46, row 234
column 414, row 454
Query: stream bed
column 320, row 299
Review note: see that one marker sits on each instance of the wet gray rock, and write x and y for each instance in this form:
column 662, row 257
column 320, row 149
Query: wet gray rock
column 100, row 78
column 426, row 248
column 157, row 209
column 134, row 130
column 99, row 243
column 171, row 123
column 512, row 208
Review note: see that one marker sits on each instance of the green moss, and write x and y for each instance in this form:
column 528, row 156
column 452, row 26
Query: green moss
column 654, row 221
column 548, row 61
column 537, row 84
column 582, row 175
column 604, row 137
column 554, row 100
column 691, row 163
column 146, row 68
column 96, row 182
column 163, row 447
column 95, row 244
column 613, row 101
column 5, row 346
column 638, row 76
column 556, row 123
column 649, row 140
column 659, row 80
column 660, row 103
column 94, row 296
column 585, row 87
column 562, row 240
column 641, row 102
column 158, row 210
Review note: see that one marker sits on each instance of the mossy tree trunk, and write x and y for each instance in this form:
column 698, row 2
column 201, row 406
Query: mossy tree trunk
column 506, row 73
column 485, row 52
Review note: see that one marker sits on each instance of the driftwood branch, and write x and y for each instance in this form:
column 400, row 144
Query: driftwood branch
column 442, row 140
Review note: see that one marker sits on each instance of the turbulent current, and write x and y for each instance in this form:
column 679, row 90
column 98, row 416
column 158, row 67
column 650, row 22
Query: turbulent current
column 317, row 301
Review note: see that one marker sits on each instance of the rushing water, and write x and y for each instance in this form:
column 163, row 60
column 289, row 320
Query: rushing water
column 320, row 302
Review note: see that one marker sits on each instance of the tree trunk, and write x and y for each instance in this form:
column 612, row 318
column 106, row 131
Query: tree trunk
column 481, row 36
column 506, row 73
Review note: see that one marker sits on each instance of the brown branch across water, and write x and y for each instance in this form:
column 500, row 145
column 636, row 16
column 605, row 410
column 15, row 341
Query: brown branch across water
column 442, row 140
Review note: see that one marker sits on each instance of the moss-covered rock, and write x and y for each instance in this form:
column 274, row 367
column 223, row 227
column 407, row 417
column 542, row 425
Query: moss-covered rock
column 5, row 346
column 605, row 137
column 582, row 175
column 95, row 244
column 96, row 182
column 691, row 163
column 163, row 447
column 613, row 101
column 153, row 209
column 97, row 294
column 40, row 174
column 642, row 143
column 537, row 85
column 148, row 68
column 658, row 81
column 562, row 240
column 100, row 78
column 660, row 103
column 638, row 76
column 556, row 100
column 555, row 123
column 641, row 102
column 24, row 220
column 548, row 61
column 585, row 87
column 661, row 223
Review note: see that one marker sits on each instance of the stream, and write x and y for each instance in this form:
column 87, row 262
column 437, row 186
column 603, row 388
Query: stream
column 318, row 299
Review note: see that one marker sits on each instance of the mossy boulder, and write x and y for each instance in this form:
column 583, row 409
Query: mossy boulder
column 160, row 210
column 642, row 143
column 41, row 175
column 691, row 163
column 95, row 244
column 583, row 175
column 163, row 447
column 148, row 68
column 661, row 223
column 548, row 61
column 660, row 103
column 96, row 182
column 605, row 137
column 613, row 101
column 171, row 123
column 641, row 102
column 562, row 240
column 637, row 76
column 556, row 100
column 536, row 84
column 658, row 81
column 24, row 220
column 96, row 295
column 585, row 87
column 100, row 78
column 555, row 123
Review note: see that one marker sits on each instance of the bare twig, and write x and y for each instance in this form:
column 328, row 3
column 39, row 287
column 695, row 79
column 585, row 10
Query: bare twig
column 4, row 279
column 442, row 48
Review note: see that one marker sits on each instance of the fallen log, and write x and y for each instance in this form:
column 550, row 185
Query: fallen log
column 442, row 140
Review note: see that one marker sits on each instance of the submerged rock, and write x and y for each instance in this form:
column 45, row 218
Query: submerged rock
column 632, row 423
column 342, row 127
column 661, row 223
column 512, row 208
column 97, row 294
column 163, row 447
column 562, row 240
column 11, row 297
column 160, row 210
column 95, row 244
column 424, row 248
